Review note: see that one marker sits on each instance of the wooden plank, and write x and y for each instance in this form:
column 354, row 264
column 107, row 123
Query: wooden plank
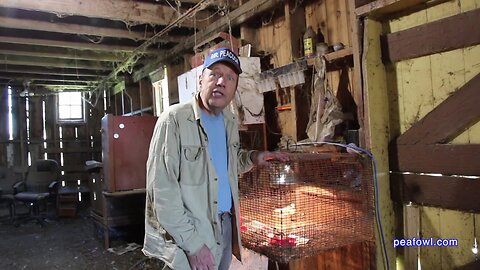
column 441, row 191
column 411, row 227
column 43, row 51
column 438, row 158
column 295, row 22
column 357, row 84
column 16, row 76
column 470, row 266
column 430, row 226
column 71, row 44
column 434, row 37
column 50, row 71
column 52, row 62
column 78, row 29
column 146, row 94
column 452, row 116
column 383, row 7
column 125, row 10
column 376, row 129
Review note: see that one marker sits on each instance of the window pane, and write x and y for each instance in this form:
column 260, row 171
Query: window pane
column 76, row 112
column 70, row 106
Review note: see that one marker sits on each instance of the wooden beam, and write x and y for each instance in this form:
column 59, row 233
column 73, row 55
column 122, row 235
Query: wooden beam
column 41, row 51
column 50, row 71
column 470, row 266
column 52, row 83
column 52, row 62
column 70, row 44
column 59, row 78
column 237, row 17
column 382, row 7
column 455, row 114
column 357, row 51
column 68, row 28
column 118, row 10
column 447, row 159
column 458, row 31
column 232, row 4
column 440, row 191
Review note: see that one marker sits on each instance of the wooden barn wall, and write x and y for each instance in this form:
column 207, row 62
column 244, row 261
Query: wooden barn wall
column 13, row 153
column 3, row 124
column 416, row 86
column 69, row 144
column 281, row 35
column 376, row 123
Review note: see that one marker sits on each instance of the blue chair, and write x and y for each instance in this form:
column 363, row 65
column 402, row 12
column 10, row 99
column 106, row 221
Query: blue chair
column 40, row 185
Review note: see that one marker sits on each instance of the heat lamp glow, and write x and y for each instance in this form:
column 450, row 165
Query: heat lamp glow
column 312, row 203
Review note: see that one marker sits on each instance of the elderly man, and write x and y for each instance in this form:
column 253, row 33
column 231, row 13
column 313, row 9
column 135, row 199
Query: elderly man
column 192, row 174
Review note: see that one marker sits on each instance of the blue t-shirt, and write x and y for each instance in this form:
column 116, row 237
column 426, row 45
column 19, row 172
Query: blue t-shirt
column 217, row 148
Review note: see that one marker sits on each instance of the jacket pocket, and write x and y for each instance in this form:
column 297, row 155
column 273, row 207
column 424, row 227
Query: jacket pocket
column 192, row 167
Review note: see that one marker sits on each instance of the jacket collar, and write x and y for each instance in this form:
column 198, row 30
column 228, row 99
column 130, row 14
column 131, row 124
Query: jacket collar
column 227, row 113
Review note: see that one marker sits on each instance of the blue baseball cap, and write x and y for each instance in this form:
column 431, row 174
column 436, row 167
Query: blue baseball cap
column 223, row 55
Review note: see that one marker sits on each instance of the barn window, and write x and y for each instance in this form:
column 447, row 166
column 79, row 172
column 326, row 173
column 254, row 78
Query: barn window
column 70, row 107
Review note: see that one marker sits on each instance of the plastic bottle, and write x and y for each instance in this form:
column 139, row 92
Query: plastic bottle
column 309, row 42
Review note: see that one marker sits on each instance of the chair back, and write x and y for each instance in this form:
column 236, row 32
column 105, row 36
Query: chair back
column 7, row 180
column 41, row 173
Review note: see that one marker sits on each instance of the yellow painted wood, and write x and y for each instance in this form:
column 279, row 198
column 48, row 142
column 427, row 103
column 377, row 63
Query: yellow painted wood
column 409, row 21
column 456, row 225
column 472, row 68
column 420, row 85
column 444, row 10
column 377, row 125
column 430, row 257
column 467, row 5
column 448, row 74
column 411, row 225
column 400, row 96
column 417, row 89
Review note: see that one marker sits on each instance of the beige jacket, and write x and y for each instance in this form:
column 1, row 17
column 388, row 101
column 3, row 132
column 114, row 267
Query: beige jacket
column 182, row 186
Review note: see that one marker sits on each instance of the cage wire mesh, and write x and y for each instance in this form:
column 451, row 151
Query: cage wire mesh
column 311, row 203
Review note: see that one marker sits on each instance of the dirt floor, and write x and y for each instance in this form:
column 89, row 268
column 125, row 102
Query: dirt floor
column 67, row 243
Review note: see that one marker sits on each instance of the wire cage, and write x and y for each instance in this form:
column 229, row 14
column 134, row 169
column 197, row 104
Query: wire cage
column 313, row 202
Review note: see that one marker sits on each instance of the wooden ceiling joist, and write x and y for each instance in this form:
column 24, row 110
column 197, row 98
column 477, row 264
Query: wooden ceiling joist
column 67, row 28
column 120, row 10
column 63, row 53
column 70, row 44
column 51, row 62
column 28, row 77
column 50, row 71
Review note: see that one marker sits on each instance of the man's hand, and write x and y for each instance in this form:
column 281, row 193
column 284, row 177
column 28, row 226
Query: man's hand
column 202, row 259
column 262, row 158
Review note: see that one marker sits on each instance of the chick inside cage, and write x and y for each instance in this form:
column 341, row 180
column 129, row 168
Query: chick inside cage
column 312, row 203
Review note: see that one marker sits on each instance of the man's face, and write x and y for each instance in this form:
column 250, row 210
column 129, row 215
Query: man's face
column 217, row 87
